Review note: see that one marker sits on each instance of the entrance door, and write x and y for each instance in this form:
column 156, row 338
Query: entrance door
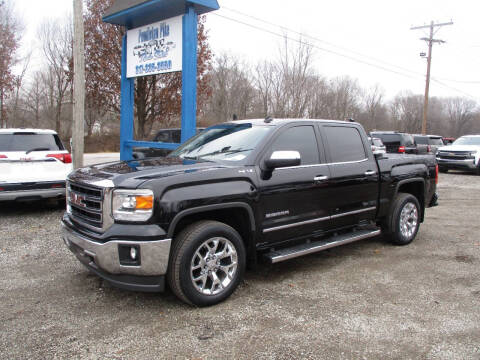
column 354, row 178
column 293, row 200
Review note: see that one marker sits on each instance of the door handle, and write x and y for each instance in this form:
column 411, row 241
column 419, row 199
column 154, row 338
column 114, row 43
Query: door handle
column 320, row 178
column 369, row 172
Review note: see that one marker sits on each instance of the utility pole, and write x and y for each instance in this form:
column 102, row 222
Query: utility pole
column 78, row 85
column 430, row 40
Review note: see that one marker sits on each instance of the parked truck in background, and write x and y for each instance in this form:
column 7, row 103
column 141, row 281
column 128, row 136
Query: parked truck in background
column 462, row 154
column 238, row 193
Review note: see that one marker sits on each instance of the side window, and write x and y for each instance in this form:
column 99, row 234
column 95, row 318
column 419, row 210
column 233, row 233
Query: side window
column 176, row 136
column 163, row 136
column 301, row 139
column 344, row 143
column 408, row 140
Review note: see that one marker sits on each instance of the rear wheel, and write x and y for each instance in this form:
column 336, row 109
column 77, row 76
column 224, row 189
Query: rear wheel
column 207, row 263
column 404, row 219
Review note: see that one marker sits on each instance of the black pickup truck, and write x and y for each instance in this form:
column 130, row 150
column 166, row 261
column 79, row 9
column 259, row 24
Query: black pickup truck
column 238, row 193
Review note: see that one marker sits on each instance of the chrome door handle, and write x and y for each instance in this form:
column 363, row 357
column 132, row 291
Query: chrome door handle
column 369, row 173
column 320, row 178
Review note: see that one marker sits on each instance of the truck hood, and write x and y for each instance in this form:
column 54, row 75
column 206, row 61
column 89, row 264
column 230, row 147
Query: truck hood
column 130, row 174
column 459, row 148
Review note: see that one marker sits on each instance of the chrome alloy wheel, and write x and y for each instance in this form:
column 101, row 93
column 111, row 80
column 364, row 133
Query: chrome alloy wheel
column 214, row 266
column 408, row 220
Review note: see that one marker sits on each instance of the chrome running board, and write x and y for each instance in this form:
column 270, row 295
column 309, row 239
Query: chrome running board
column 313, row 247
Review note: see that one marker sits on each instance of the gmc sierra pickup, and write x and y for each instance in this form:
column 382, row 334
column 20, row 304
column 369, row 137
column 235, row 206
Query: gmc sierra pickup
column 235, row 194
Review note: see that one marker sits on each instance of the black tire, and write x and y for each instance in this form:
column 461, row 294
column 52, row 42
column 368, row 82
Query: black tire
column 404, row 206
column 185, row 251
column 442, row 169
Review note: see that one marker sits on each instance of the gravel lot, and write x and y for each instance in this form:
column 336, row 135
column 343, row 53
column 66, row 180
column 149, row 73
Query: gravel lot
column 364, row 300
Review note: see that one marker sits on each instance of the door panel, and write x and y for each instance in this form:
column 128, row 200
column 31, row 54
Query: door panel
column 292, row 202
column 354, row 192
column 354, row 176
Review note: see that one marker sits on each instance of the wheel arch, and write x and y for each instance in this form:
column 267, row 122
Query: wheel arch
column 238, row 215
column 415, row 187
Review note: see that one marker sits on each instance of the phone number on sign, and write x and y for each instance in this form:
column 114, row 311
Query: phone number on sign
column 153, row 67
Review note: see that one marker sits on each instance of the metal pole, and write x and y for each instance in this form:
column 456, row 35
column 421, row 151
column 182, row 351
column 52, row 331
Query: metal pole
column 79, row 85
column 189, row 74
column 427, row 83
column 430, row 41
column 127, row 86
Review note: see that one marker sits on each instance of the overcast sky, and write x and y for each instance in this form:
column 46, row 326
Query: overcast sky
column 373, row 31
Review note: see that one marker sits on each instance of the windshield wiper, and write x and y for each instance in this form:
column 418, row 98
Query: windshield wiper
column 223, row 151
column 37, row 149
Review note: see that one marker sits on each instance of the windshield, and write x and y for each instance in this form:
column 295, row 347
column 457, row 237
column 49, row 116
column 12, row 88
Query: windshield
column 435, row 141
column 228, row 142
column 467, row 140
column 29, row 142
column 423, row 140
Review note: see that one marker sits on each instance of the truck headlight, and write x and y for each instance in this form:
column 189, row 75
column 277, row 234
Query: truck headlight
column 132, row 205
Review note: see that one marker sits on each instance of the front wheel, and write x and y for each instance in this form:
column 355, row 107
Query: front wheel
column 207, row 263
column 404, row 220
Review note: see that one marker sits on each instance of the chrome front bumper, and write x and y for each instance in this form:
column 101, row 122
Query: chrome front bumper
column 105, row 256
column 457, row 164
column 31, row 194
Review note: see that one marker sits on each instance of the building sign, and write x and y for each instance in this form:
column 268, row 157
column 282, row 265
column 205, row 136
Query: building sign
column 155, row 48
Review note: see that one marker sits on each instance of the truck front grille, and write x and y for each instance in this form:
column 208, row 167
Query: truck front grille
column 455, row 155
column 86, row 204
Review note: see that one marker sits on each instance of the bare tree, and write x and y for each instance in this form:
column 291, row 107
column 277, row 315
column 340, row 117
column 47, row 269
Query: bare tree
column 320, row 98
column 34, row 99
column 233, row 92
column 56, row 39
column 346, row 98
column 291, row 79
column 10, row 33
column 373, row 104
column 461, row 113
column 18, row 86
column 407, row 112
column 264, row 83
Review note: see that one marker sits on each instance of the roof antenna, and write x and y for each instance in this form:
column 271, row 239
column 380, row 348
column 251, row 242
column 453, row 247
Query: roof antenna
column 268, row 119
column 235, row 117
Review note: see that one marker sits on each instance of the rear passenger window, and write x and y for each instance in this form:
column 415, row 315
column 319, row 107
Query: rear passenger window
column 163, row 136
column 301, row 139
column 345, row 144
column 176, row 134
column 422, row 140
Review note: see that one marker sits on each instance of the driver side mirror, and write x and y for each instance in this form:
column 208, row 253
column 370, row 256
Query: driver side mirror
column 281, row 159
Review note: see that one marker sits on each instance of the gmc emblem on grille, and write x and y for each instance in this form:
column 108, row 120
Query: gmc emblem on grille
column 77, row 199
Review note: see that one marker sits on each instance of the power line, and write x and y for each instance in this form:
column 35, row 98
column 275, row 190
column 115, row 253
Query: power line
column 331, row 51
column 322, row 41
column 455, row 89
column 316, row 46
column 461, row 81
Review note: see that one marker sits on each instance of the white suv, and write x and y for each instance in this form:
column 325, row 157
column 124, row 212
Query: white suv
column 33, row 165
column 462, row 154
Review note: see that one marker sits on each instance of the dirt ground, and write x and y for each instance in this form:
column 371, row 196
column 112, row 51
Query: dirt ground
column 366, row 300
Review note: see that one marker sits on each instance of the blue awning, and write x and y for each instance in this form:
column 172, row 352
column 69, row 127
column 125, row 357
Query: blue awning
column 135, row 13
